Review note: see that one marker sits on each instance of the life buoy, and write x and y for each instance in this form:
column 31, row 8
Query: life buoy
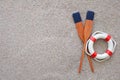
column 111, row 46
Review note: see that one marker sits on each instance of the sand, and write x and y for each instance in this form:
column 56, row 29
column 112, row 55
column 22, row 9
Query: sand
column 38, row 39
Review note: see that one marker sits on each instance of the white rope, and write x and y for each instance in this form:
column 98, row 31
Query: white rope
column 90, row 50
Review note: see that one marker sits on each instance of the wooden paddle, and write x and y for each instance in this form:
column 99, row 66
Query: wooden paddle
column 84, row 33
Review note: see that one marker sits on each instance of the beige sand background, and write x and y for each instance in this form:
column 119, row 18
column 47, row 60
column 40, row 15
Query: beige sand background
column 38, row 39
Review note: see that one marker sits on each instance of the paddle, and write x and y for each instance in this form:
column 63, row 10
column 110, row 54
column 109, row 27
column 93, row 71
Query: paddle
column 84, row 33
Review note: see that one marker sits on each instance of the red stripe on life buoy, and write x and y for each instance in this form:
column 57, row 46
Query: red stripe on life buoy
column 94, row 55
column 108, row 38
column 92, row 38
column 109, row 52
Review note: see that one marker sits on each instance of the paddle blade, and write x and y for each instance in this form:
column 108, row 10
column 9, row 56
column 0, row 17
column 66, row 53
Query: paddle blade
column 88, row 24
column 79, row 25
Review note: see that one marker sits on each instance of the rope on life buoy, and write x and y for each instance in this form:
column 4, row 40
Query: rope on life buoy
column 111, row 46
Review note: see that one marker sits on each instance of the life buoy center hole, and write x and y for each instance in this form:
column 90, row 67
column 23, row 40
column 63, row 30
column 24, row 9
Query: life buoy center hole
column 100, row 46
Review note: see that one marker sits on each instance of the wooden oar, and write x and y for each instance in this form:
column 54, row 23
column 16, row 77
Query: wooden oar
column 84, row 36
column 87, row 33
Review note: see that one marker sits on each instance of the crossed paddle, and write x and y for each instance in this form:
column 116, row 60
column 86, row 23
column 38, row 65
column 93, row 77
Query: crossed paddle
column 84, row 32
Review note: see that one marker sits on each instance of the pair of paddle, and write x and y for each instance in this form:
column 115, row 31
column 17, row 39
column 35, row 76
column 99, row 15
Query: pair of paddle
column 84, row 32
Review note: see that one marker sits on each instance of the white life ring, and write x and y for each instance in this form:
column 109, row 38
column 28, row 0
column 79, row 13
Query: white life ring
column 111, row 46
